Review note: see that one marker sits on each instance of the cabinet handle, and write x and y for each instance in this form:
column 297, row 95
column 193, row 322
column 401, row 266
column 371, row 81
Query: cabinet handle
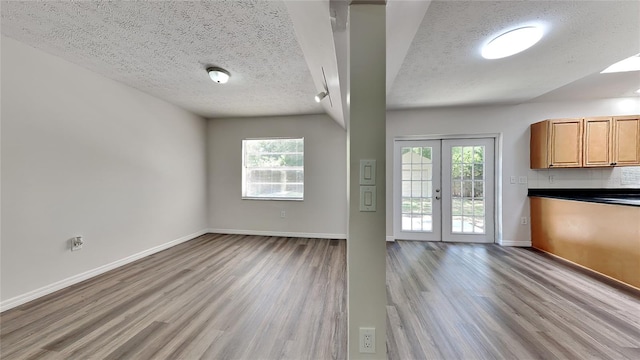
column 614, row 163
column 550, row 165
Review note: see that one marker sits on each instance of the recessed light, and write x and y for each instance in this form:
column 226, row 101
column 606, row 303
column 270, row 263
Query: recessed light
column 628, row 64
column 512, row 42
column 219, row 75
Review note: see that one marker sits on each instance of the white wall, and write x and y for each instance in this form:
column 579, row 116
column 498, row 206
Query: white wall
column 366, row 246
column 84, row 155
column 513, row 122
column 323, row 213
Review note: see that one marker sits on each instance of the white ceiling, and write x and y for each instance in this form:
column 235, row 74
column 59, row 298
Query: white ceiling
column 163, row 48
column 444, row 66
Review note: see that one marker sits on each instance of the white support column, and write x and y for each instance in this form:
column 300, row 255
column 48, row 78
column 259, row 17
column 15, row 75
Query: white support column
column 366, row 245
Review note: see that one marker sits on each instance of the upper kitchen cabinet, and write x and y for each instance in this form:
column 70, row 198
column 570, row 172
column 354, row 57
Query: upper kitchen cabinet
column 588, row 142
column 626, row 140
column 598, row 141
column 612, row 141
column 556, row 143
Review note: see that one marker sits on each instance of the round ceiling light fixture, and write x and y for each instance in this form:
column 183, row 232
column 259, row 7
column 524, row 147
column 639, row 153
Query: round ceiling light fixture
column 219, row 75
column 512, row 42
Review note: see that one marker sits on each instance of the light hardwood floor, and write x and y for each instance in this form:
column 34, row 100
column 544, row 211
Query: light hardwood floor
column 215, row 297
column 252, row 297
column 466, row 301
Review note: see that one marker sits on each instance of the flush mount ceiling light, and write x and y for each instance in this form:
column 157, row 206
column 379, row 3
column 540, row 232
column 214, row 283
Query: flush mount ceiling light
column 512, row 42
column 219, row 75
column 628, row 64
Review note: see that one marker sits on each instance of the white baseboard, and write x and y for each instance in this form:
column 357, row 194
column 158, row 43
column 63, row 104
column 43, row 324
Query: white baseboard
column 48, row 289
column 278, row 233
column 391, row 238
column 518, row 243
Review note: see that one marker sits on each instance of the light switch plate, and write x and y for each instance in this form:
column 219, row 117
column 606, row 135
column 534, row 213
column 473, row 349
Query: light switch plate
column 367, row 172
column 367, row 198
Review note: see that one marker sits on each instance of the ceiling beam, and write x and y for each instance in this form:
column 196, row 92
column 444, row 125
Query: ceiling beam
column 312, row 24
column 403, row 20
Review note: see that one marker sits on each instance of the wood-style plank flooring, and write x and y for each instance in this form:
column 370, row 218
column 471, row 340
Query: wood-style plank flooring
column 466, row 301
column 252, row 297
column 215, row 297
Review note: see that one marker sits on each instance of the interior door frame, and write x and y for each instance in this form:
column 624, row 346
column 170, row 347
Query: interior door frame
column 497, row 168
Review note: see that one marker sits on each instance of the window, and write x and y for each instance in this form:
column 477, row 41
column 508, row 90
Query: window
column 273, row 169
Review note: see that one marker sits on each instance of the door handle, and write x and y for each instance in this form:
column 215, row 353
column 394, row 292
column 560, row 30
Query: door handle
column 437, row 197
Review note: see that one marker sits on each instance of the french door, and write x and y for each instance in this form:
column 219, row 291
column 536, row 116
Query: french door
column 444, row 190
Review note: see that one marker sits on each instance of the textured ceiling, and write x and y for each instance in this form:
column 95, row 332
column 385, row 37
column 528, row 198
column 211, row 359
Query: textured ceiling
column 444, row 68
column 163, row 48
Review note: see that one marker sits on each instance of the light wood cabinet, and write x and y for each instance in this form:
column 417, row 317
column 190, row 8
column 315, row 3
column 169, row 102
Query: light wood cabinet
column 601, row 237
column 626, row 140
column 556, row 143
column 598, row 142
column 585, row 142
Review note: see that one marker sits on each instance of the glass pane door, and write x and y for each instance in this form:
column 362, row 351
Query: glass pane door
column 468, row 178
column 416, row 199
column 417, row 181
column 467, row 196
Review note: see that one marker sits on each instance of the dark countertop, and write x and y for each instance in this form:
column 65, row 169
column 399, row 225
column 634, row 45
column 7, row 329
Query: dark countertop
column 629, row 197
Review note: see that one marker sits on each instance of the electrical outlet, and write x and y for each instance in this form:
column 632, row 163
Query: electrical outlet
column 76, row 243
column 551, row 179
column 522, row 180
column 524, row 220
column 283, row 214
column 367, row 340
column 512, row 179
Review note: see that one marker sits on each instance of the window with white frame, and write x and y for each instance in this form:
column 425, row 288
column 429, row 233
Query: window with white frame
column 273, row 169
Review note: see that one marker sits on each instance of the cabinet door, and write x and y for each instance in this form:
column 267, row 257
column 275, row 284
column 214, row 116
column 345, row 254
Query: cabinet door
column 566, row 143
column 626, row 140
column 598, row 141
column 539, row 145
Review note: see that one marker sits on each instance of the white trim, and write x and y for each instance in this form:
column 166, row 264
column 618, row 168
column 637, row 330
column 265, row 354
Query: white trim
column 489, row 196
column 447, row 136
column 278, row 233
column 48, row 289
column 391, row 238
column 519, row 243
column 498, row 147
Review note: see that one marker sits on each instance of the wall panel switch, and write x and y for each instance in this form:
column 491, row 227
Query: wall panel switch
column 367, row 198
column 367, row 172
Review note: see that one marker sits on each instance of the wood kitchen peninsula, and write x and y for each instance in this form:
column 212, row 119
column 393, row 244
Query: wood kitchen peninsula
column 598, row 229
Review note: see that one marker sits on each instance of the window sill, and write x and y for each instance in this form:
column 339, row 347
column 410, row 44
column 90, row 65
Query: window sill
column 272, row 198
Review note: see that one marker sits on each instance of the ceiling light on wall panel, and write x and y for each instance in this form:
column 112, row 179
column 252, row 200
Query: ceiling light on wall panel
column 512, row 42
column 628, row 64
column 320, row 96
column 219, row 75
